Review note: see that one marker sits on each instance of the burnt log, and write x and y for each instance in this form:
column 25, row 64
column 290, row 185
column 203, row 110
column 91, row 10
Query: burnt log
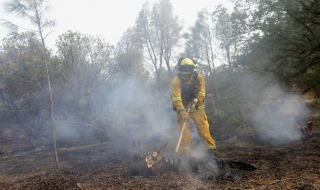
column 155, row 162
column 306, row 130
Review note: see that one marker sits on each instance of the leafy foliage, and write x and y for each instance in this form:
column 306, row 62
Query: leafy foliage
column 24, row 98
column 159, row 32
column 286, row 40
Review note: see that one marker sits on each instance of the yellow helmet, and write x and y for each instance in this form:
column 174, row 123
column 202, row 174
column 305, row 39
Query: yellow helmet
column 186, row 65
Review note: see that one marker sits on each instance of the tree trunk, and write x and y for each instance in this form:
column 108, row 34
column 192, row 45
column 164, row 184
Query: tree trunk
column 50, row 92
column 215, row 93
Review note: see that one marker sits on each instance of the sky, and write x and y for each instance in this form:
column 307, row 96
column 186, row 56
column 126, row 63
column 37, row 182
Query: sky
column 106, row 18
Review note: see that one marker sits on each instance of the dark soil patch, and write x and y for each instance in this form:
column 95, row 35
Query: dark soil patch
column 246, row 163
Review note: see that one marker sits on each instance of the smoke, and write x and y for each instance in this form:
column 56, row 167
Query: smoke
column 126, row 109
column 145, row 113
column 278, row 115
column 273, row 110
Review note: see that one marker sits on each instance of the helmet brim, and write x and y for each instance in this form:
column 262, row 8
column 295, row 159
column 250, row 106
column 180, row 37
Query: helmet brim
column 186, row 68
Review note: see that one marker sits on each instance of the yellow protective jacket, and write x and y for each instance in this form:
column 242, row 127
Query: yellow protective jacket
column 176, row 91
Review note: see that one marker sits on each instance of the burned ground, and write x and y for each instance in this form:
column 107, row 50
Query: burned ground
column 246, row 162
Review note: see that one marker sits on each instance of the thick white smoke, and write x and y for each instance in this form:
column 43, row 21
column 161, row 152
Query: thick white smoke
column 278, row 115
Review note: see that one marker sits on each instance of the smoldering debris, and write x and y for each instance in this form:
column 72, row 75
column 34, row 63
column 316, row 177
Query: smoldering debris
column 154, row 163
column 306, row 130
column 202, row 165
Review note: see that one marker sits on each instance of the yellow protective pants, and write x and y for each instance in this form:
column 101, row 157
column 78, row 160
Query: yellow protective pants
column 200, row 119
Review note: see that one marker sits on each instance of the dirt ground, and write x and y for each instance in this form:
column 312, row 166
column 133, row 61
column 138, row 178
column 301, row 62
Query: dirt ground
column 245, row 162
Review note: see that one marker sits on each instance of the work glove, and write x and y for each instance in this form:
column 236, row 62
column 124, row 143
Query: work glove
column 184, row 115
column 193, row 103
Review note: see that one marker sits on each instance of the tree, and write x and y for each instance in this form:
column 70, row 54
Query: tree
column 230, row 32
column 36, row 11
column 23, row 78
column 87, row 65
column 169, row 28
column 159, row 31
column 286, row 39
column 199, row 45
column 129, row 55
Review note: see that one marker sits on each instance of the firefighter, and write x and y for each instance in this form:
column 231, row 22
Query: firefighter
column 188, row 87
